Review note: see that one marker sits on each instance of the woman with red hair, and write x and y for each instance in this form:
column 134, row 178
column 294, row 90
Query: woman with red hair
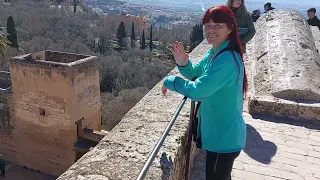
column 220, row 84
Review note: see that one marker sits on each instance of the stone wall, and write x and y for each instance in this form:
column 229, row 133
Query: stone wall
column 86, row 97
column 124, row 150
column 48, row 98
column 284, row 66
column 42, row 101
column 316, row 36
column 285, row 57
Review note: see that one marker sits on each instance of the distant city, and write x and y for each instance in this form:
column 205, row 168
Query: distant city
column 166, row 12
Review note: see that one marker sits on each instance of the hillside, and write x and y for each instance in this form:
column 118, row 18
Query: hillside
column 125, row 76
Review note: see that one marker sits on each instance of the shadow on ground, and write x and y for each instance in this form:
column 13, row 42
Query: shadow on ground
column 257, row 148
column 310, row 124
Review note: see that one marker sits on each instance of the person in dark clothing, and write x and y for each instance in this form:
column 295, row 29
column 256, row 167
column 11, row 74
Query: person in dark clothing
column 313, row 19
column 255, row 15
column 246, row 27
column 268, row 7
column 2, row 167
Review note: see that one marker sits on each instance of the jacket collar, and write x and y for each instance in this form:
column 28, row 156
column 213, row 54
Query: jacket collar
column 221, row 47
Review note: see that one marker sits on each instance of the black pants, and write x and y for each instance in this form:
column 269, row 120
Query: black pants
column 219, row 165
column 3, row 171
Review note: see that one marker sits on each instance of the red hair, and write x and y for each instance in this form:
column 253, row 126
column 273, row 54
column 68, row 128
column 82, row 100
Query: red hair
column 223, row 14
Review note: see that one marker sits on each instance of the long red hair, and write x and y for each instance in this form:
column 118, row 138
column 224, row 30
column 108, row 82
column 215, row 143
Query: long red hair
column 223, row 14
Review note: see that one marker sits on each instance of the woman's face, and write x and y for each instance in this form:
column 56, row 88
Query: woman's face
column 236, row 3
column 216, row 33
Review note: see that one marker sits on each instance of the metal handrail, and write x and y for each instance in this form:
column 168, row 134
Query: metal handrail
column 155, row 151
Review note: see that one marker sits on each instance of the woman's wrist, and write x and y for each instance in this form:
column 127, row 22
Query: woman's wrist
column 183, row 65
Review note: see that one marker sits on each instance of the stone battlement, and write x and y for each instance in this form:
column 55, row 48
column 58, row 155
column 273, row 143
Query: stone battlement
column 53, row 60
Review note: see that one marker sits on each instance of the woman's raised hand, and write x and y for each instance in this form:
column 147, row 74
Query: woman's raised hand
column 180, row 56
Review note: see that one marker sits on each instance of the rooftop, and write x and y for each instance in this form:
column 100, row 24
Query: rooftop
column 55, row 59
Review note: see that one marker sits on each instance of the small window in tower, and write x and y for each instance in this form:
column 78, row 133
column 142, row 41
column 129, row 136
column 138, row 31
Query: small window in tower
column 42, row 111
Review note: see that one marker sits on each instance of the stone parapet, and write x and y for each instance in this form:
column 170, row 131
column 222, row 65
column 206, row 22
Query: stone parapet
column 284, row 66
column 69, row 64
column 283, row 107
column 285, row 57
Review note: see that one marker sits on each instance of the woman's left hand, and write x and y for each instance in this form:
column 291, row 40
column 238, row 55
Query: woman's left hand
column 168, row 83
column 164, row 90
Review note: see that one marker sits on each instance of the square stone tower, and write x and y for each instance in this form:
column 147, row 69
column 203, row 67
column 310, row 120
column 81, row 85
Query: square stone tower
column 52, row 91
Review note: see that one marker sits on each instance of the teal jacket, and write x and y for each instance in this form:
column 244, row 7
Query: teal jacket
column 219, row 88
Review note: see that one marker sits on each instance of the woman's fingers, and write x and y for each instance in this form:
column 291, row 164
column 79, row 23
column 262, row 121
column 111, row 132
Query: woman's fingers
column 164, row 90
column 172, row 50
column 181, row 47
column 175, row 47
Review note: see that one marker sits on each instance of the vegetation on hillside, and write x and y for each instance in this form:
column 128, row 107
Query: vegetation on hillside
column 3, row 45
column 12, row 33
column 126, row 75
column 196, row 36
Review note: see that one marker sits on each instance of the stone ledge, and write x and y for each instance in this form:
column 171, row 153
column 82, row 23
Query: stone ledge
column 54, row 60
column 123, row 151
column 269, row 104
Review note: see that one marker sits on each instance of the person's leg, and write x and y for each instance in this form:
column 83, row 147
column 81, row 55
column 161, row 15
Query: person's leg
column 219, row 165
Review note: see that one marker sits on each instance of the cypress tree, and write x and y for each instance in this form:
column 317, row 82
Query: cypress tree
column 196, row 36
column 133, row 33
column 121, row 35
column 12, row 33
column 74, row 6
column 151, row 41
column 133, row 36
column 143, row 41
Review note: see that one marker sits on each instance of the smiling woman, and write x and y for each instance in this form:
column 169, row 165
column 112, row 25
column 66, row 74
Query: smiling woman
column 220, row 83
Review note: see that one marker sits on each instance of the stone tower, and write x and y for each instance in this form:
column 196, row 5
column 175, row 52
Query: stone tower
column 55, row 96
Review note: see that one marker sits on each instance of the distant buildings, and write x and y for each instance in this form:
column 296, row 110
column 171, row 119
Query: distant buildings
column 140, row 21
column 5, row 2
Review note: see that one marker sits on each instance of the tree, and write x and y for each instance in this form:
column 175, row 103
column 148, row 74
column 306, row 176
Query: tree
column 3, row 45
column 143, row 41
column 74, row 6
column 150, row 42
column 133, row 36
column 121, row 35
column 12, row 33
column 103, row 44
column 196, row 36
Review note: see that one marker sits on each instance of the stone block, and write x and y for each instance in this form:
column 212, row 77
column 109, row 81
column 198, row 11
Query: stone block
column 284, row 66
